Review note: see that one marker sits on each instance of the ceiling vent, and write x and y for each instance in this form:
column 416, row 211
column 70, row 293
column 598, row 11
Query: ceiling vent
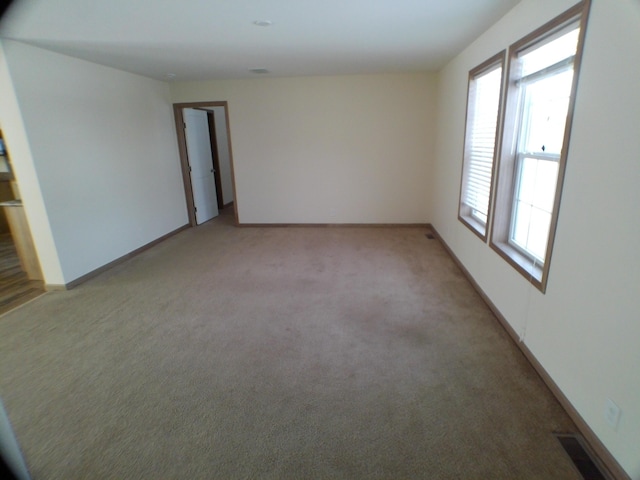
column 259, row 71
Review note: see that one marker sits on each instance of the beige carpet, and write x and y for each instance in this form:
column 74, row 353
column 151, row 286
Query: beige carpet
column 276, row 353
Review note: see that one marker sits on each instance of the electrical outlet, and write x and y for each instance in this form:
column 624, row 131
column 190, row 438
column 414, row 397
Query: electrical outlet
column 612, row 413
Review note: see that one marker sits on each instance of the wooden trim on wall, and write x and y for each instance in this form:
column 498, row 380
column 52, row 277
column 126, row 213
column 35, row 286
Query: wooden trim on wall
column 585, row 8
column 334, row 225
column 605, row 461
column 231, row 164
column 104, row 268
column 184, row 162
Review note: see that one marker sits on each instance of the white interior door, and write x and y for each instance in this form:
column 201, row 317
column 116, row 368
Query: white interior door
column 200, row 164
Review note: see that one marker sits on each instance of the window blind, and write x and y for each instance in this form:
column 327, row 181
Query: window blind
column 482, row 121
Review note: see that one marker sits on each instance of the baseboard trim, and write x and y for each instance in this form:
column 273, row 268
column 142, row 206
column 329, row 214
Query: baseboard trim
column 334, row 225
column 104, row 268
column 603, row 458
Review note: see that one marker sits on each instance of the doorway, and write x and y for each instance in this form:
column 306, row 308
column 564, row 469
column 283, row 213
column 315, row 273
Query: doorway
column 204, row 144
column 20, row 274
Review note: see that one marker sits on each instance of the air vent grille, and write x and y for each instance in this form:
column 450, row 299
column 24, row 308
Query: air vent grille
column 581, row 458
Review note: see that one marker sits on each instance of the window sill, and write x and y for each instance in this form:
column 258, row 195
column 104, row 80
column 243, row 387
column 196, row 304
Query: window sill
column 532, row 272
column 475, row 226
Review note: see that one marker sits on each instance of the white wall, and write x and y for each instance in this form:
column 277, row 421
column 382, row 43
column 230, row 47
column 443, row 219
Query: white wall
column 224, row 156
column 103, row 146
column 351, row 149
column 585, row 330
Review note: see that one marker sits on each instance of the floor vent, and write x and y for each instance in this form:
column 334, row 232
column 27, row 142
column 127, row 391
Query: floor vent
column 429, row 236
column 575, row 448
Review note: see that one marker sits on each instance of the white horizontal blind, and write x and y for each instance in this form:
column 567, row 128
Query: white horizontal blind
column 482, row 121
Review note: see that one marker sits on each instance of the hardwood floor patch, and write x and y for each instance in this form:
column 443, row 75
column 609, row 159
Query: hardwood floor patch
column 15, row 288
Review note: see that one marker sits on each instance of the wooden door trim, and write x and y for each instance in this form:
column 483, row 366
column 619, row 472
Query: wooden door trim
column 184, row 163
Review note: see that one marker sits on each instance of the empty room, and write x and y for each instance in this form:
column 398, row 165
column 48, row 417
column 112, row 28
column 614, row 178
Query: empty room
column 321, row 239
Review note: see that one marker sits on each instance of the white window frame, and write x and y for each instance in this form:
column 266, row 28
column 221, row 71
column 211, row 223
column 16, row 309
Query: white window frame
column 520, row 157
column 510, row 157
column 522, row 153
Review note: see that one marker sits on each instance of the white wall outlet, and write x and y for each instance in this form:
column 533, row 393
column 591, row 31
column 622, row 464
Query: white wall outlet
column 612, row 413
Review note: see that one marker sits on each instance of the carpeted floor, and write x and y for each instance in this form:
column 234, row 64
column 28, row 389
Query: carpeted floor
column 277, row 353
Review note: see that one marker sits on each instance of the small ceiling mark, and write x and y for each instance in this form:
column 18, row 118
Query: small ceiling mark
column 259, row 71
column 263, row 23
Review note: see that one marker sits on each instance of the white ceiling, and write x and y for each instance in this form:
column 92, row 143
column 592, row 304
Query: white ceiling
column 206, row 39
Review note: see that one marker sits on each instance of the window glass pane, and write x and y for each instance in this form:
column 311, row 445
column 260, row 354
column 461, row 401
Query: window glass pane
column 543, row 117
column 527, row 180
column 532, row 211
column 521, row 219
column 531, row 230
column 545, row 185
column 550, row 53
column 547, row 103
column 538, row 233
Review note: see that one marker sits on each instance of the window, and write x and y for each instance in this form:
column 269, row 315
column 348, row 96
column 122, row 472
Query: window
column 540, row 92
column 483, row 106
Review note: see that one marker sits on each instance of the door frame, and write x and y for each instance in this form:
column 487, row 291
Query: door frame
column 184, row 161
